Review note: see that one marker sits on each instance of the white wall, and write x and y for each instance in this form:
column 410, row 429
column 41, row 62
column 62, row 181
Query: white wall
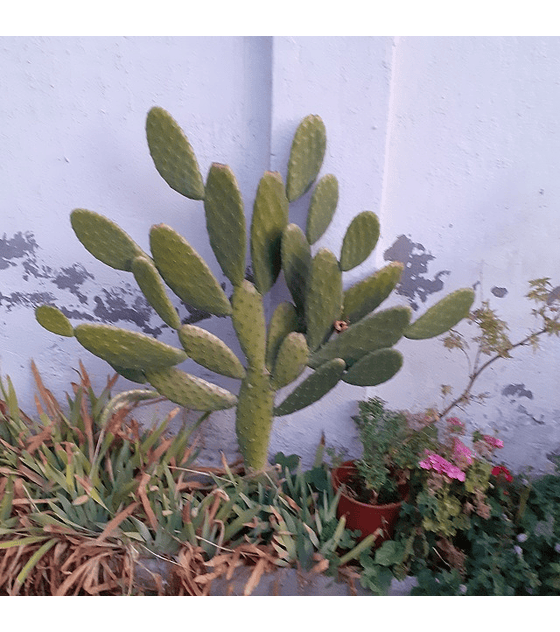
column 453, row 141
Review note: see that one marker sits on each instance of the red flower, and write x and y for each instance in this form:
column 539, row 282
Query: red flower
column 501, row 471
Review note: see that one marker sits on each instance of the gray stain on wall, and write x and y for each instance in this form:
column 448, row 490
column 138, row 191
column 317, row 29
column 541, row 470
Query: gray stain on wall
column 414, row 284
column 70, row 288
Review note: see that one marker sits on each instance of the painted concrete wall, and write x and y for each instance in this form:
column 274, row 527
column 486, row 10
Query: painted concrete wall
column 452, row 141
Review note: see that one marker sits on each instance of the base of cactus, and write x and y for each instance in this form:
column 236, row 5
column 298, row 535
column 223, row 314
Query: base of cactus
column 361, row 516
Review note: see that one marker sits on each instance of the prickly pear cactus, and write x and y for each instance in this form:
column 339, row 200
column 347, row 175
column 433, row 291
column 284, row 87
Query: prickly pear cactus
column 323, row 336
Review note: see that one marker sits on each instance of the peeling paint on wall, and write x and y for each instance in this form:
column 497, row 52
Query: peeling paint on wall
column 499, row 292
column 118, row 304
column 517, row 390
column 414, row 283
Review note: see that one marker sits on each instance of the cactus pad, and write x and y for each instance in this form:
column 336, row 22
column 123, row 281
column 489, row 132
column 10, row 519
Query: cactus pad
column 254, row 418
column 306, row 156
column 210, row 351
column 442, row 316
column 284, row 319
column 322, row 207
column 190, row 391
column 52, row 319
column 366, row 295
column 249, row 322
column 173, row 155
column 225, row 221
column 185, row 272
column 296, row 261
column 383, row 329
column 104, row 239
column 360, row 239
column 312, row 388
column 290, row 361
column 323, row 303
column 270, row 217
column 374, row 368
column 127, row 349
column 153, row 288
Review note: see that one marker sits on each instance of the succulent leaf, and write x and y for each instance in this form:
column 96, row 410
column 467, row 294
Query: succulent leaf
column 312, row 388
column 254, row 418
column 190, row 391
column 127, row 349
column 104, row 239
column 290, row 360
column 306, row 156
column 284, row 319
column 442, row 316
column 366, row 295
column 322, row 207
column 323, row 304
column 360, row 239
column 153, row 288
column 382, row 329
column 186, row 273
column 249, row 322
column 296, row 261
column 225, row 221
column 52, row 319
column 270, row 217
column 173, row 155
column 374, row 368
column 210, row 351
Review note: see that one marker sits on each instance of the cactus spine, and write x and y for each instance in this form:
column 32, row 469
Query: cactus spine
column 301, row 338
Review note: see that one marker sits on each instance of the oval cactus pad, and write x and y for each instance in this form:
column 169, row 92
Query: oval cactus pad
column 306, row 156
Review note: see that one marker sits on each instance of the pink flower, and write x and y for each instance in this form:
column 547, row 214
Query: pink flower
column 461, row 454
column 493, row 442
column 454, row 421
column 440, row 465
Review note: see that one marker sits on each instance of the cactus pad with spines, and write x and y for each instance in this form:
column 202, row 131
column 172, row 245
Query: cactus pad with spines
column 225, row 221
column 185, row 272
column 306, row 156
column 249, row 322
column 127, row 349
column 323, row 303
column 270, row 217
column 374, row 368
column 290, row 361
column 364, row 296
column 442, row 316
column 104, row 239
column 153, row 288
column 360, row 239
column 190, row 391
column 322, row 207
column 253, row 420
column 296, row 261
column 313, row 387
column 382, row 329
column 210, row 351
column 52, row 319
column 284, row 320
column 173, row 155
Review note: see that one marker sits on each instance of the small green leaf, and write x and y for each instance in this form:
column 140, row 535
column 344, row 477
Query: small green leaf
column 52, row 319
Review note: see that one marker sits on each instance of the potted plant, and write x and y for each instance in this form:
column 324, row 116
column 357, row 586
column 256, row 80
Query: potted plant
column 372, row 488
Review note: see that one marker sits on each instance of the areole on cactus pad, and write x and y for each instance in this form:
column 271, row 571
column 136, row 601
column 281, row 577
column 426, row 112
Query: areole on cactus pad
column 300, row 335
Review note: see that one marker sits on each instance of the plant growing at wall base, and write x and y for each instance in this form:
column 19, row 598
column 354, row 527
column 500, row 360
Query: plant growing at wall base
column 334, row 334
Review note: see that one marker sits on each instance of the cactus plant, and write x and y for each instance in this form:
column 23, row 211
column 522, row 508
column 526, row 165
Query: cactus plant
column 301, row 337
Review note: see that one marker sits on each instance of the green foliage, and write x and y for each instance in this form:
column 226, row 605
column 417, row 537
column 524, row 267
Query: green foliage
column 308, row 325
column 392, row 443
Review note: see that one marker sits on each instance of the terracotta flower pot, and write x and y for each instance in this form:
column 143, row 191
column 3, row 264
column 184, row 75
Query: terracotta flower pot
column 363, row 516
